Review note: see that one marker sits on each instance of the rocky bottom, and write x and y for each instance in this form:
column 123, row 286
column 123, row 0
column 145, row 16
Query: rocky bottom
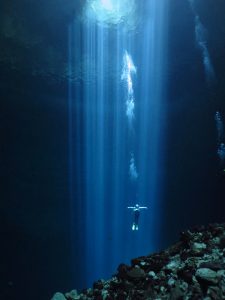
column 193, row 268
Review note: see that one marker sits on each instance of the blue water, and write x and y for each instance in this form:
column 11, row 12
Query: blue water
column 107, row 137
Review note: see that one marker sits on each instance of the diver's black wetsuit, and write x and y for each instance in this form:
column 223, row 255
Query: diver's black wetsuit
column 136, row 211
column 136, row 217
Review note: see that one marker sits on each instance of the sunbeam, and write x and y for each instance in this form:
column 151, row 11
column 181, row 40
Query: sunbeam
column 120, row 164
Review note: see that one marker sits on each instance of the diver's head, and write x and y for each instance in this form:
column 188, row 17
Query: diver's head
column 136, row 205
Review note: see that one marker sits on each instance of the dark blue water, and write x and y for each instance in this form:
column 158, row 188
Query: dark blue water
column 69, row 149
column 113, row 131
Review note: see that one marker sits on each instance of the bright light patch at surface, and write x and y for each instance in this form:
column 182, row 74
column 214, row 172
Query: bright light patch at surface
column 107, row 4
column 111, row 11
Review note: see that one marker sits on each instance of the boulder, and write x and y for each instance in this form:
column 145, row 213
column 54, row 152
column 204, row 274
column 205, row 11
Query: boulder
column 136, row 272
column 198, row 248
column 207, row 275
column 73, row 295
column 58, row 296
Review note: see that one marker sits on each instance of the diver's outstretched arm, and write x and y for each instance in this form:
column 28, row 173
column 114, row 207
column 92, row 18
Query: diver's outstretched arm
column 131, row 207
column 143, row 207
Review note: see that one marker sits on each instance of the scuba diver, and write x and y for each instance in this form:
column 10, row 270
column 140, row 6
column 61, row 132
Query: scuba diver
column 136, row 209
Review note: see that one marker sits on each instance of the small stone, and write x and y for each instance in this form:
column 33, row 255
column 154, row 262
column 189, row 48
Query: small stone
column 122, row 271
column 162, row 289
column 183, row 286
column 174, row 264
column 184, row 255
column 207, row 275
column 216, row 240
column 73, row 295
column 175, row 249
column 222, row 242
column 105, row 294
column 136, row 273
column 176, row 293
column 213, row 265
column 221, row 273
column 185, row 274
column 223, row 286
column 216, row 253
column 161, row 274
column 98, row 285
column 171, row 282
column 58, row 296
column 96, row 292
column 89, row 292
column 214, row 293
column 198, row 247
column 185, row 237
column 152, row 274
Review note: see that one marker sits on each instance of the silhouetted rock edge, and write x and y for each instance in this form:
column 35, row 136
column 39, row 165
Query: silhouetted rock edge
column 193, row 268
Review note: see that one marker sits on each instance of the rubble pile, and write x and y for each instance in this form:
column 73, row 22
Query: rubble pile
column 193, row 268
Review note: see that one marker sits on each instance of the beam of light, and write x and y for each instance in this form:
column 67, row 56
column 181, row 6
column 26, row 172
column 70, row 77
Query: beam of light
column 104, row 141
column 129, row 69
column 151, row 116
column 132, row 168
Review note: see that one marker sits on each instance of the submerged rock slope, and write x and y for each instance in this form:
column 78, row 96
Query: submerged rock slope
column 193, row 268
